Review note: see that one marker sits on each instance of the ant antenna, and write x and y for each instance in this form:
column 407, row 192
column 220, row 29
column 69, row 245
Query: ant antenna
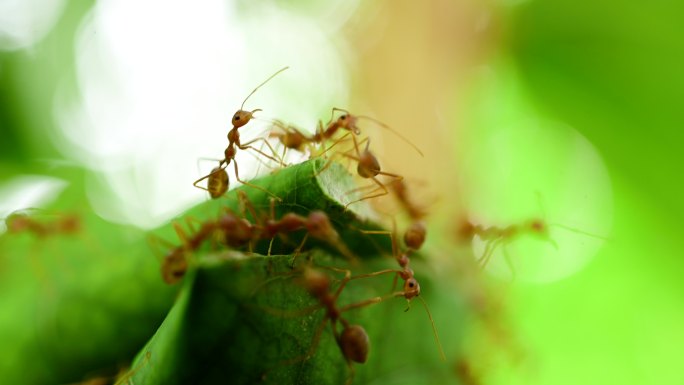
column 395, row 132
column 259, row 86
column 434, row 329
column 385, row 126
column 540, row 202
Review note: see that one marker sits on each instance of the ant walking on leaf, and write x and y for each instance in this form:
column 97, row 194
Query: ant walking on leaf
column 353, row 341
column 235, row 231
column 414, row 238
column 218, row 182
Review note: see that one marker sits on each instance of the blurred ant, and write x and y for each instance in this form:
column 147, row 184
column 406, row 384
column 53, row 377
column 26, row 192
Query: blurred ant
column 495, row 236
column 22, row 222
column 240, row 118
column 401, row 193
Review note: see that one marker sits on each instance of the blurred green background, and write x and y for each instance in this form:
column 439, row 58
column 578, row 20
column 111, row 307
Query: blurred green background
column 579, row 101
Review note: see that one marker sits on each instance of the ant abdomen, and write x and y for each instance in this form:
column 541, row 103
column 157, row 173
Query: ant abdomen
column 368, row 166
column 354, row 343
column 217, row 184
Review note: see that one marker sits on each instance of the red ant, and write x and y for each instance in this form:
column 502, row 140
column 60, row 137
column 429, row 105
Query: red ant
column 236, row 231
column 292, row 138
column 22, row 222
column 368, row 166
column 353, row 341
column 414, row 238
column 494, row 236
column 240, row 118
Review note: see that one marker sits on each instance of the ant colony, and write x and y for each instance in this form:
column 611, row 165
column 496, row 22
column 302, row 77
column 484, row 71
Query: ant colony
column 252, row 223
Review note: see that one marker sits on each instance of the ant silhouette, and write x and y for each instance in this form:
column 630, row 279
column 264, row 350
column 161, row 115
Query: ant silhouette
column 495, row 236
column 240, row 118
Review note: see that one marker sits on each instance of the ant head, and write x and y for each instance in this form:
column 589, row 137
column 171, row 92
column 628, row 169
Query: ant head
column 414, row 237
column 348, row 121
column 242, row 117
column 411, row 288
column 354, row 343
column 538, row 226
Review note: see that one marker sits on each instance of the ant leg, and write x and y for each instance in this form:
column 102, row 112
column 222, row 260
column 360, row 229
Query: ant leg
column 341, row 139
column 314, row 345
column 509, row 262
column 237, row 176
column 393, row 239
column 154, row 242
column 246, row 205
column 371, row 301
column 486, row 257
column 299, row 249
column 381, row 187
column 329, row 160
column 245, row 146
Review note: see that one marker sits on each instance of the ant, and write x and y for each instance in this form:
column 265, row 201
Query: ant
column 240, row 118
column 236, row 231
column 414, row 238
column 494, row 236
column 353, row 341
column 22, row 222
column 294, row 139
column 368, row 166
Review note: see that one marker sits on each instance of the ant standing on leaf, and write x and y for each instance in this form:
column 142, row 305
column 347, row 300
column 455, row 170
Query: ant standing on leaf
column 218, row 178
column 353, row 341
column 235, row 231
column 414, row 238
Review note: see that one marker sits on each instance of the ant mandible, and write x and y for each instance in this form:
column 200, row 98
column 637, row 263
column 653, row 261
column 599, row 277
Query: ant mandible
column 218, row 175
